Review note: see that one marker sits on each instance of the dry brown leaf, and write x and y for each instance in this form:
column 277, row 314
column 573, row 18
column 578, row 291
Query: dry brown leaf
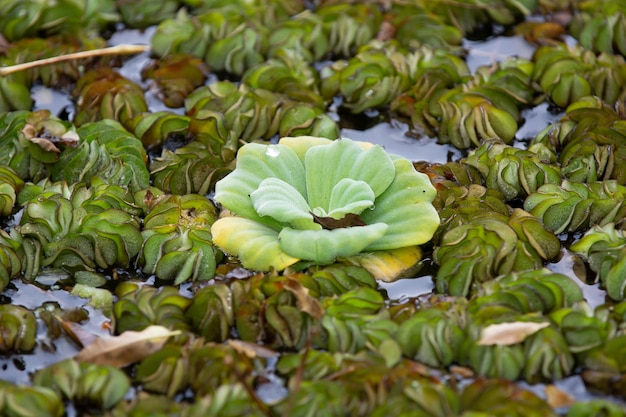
column 462, row 371
column 128, row 348
column 45, row 144
column 558, row 398
column 509, row 333
column 306, row 303
column 251, row 350
column 70, row 138
column 76, row 332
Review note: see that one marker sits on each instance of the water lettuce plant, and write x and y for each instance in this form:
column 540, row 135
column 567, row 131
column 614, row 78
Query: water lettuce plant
column 309, row 198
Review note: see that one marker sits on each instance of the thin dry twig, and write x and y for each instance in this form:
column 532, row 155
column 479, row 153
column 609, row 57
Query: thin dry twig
column 112, row 50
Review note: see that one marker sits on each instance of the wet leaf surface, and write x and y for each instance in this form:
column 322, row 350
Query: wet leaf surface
column 127, row 348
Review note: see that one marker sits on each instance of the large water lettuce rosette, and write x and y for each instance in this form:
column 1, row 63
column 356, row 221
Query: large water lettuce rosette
column 313, row 199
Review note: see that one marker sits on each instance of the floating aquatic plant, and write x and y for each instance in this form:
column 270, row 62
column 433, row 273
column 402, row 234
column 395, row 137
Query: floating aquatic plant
column 515, row 172
column 175, row 76
column 604, row 248
column 90, row 385
column 600, row 26
column 82, row 227
column 19, row 329
column 491, row 244
column 138, row 308
column 19, row 400
column 309, row 198
column 32, row 142
column 105, row 94
column 577, row 207
column 177, row 244
column 106, row 150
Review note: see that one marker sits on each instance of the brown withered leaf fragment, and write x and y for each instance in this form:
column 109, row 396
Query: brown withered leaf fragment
column 330, row 223
column 76, row 332
column 541, row 33
column 127, row 348
column 558, row 398
column 306, row 303
column 45, row 144
column 251, row 350
column 509, row 333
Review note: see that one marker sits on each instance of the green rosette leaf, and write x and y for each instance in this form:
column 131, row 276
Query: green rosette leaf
column 138, row 308
column 17, row 400
column 431, row 337
column 164, row 372
column 176, row 243
column 19, row 328
column 90, row 385
column 283, row 203
column 108, row 151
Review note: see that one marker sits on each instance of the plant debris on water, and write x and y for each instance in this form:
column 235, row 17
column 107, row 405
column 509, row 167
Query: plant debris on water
column 208, row 224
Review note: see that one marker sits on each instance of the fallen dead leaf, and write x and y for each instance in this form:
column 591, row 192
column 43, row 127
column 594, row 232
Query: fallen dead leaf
column 306, row 303
column 558, row 398
column 509, row 333
column 127, row 348
column 462, row 371
column 45, row 144
column 251, row 350
column 76, row 332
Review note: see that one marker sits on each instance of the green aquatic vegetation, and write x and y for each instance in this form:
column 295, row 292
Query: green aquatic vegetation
column 302, row 35
column 286, row 74
column 527, row 291
column 600, row 26
column 279, row 205
column 584, row 329
column 103, row 94
column 140, row 307
column 580, row 117
column 490, row 245
column 19, row 329
column 14, row 258
column 485, row 106
column 32, row 142
column 19, row 400
column 416, row 28
column 177, row 244
column 10, row 185
column 190, row 169
column 21, row 19
column 175, row 76
column 567, row 74
column 246, row 113
column 465, row 110
column 470, row 15
column 436, row 71
column 89, row 385
column 595, row 408
column 432, row 337
column 63, row 74
column 349, row 26
column 572, row 207
column 299, row 320
column 143, row 13
column 153, row 129
column 371, row 79
column 91, row 227
column 106, row 150
column 514, row 172
column 603, row 248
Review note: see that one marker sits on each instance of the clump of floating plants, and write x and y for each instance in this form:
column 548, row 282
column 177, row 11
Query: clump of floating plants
column 195, row 236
